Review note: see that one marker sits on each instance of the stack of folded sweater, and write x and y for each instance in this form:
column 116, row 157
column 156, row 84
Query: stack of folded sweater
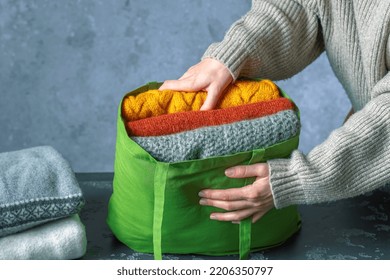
column 250, row 115
column 39, row 204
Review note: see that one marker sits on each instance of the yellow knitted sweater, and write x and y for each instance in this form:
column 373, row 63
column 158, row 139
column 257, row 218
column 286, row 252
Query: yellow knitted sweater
column 155, row 102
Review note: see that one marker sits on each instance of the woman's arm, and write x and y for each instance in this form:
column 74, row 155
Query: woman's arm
column 353, row 160
column 275, row 39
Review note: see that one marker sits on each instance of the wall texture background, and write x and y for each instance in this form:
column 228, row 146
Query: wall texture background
column 64, row 66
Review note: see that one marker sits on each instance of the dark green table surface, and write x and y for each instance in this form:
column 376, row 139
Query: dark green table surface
column 357, row 228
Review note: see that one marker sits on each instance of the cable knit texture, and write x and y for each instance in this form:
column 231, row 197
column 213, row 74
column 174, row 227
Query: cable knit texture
column 278, row 38
column 223, row 139
column 182, row 121
column 155, row 102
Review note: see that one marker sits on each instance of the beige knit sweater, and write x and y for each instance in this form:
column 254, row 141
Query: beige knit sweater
column 278, row 38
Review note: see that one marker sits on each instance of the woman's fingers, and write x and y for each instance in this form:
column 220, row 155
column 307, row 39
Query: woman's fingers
column 234, row 215
column 213, row 95
column 210, row 102
column 227, row 194
column 252, row 200
column 209, row 75
column 244, row 171
column 185, row 84
column 251, row 192
column 228, row 205
column 237, row 215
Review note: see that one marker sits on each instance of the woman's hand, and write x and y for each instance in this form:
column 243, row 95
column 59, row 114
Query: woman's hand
column 209, row 75
column 253, row 200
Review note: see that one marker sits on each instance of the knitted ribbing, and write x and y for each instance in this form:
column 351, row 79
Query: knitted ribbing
column 155, row 102
column 182, row 121
column 276, row 39
column 223, row 139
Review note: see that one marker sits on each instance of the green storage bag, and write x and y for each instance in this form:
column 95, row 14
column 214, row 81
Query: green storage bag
column 154, row 207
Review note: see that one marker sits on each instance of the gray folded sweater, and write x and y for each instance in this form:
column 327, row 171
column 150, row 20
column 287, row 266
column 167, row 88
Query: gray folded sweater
column 63, row 239
column 36, row 185
column 223, row 139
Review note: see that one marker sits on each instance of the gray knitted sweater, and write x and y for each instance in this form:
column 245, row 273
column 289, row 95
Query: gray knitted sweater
column 278, row 38
column 205, row 142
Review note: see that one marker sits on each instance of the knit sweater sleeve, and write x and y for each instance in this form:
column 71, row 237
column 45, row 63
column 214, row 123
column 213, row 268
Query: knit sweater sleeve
column 275, row 39
column 353, row 160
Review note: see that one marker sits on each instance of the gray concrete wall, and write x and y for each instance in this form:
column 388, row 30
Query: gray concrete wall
column 64, row 66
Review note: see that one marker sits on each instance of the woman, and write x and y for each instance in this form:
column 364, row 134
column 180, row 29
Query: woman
column 276, row 39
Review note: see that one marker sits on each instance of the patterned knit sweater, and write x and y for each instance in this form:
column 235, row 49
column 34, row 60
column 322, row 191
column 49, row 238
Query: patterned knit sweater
column 278, row 38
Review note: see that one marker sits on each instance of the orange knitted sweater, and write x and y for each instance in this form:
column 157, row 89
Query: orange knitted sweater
column 155, row 102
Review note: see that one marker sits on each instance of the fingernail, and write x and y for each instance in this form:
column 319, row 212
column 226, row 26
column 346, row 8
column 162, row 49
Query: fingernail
column 213, row 217
column 202, row 201
column 201, row 194
column 229, row 172
column 234, row 222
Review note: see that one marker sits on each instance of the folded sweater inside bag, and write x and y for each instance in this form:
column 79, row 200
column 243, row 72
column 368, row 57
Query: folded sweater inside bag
column 155, row 102
column 222, row 139
column 182, row 121
column 172, row 133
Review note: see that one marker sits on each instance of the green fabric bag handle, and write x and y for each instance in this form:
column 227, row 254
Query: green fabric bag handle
column 245, row 238
column 245, row 231
column 160, row 179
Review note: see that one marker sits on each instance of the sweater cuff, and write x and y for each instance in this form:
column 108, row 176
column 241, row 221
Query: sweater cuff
column 230, row 53
column 285, row 184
